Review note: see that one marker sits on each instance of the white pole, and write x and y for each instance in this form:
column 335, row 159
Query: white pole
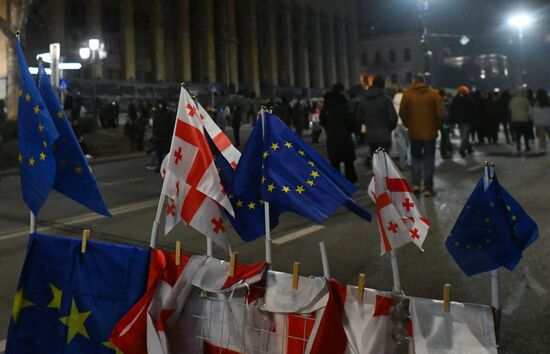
column 395, row 272
column 209, row 247
column 156, row 222
column 32, row 228
column 268, row 258
column 495, row 279
column 324, row 259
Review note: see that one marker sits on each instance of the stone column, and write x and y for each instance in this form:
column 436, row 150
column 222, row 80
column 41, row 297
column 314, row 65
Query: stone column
column 250, row 47
column 4, row 45
column 232, row 44
column 303, row 60
column 353, row 41
column 209, row 40
column 129, row 39
column 330, row 52
column 184, row 41
column 57, row 23
column 94, row 30
column 288, row 49
column 271, row 45
column 158, row 31
column 318, row 74
column 342, row 52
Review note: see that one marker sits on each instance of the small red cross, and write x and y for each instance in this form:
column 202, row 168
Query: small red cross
column 191, row 110
column 163, row 172
column 171, row 209
column 218, row 225
column 407, row 204
column 178, row 156
column 393, row 227
column 177, row 188
column 414, row 233
column 234, row 165
column 202, row 117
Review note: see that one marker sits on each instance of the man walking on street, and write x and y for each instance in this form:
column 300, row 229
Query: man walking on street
column 422, row 113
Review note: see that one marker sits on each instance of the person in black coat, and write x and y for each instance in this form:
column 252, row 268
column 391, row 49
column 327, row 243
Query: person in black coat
column 377, row 113
column 163, row 124
column 464, row 112
column 339, row 124
column 236, row 124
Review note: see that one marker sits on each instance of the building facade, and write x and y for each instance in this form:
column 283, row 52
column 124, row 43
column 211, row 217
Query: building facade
column 250, row 46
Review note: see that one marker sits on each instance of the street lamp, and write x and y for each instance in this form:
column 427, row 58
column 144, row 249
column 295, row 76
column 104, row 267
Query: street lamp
column 520, row 21
column 94, row 50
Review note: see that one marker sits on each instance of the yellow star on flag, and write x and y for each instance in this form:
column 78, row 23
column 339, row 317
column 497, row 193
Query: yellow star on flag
column 28, row 97
column 78, row 169
column 508, row 208
column 110, row 345
column 288, row 145
column 314, row 174
column 311, row 163
column 75, row 322
column 36, row 108
column 265, row 155
column 285, row 189
column 20, row 158
column 264, row 179
column 42, row 156
column 231, row 196
column 514, row 218
column 239, row 203
column 56, row 301
column 300, row 189
column 271, row 187
column 251, row 205
column 275, row 146
column 20, row 93
column 32, row 161
column 44, row 143
column 59, row 115
column 40, row 127
column 310, row 182
column 301, row 152
column 19, row 303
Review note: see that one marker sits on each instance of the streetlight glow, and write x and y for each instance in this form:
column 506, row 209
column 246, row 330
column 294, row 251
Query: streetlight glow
column 93, row 44
column 520, row 20
column 84, row 53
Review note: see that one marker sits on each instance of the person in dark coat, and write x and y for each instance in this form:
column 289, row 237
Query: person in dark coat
column 284, row 111
column 502, row 114
column 299, row 118
column 162, row 130
column 338, row 122
column 236, row 124
column 378, row 115
column 464, row 112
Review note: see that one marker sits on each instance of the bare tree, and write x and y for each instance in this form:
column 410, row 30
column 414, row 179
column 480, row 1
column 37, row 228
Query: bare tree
column 18, row 11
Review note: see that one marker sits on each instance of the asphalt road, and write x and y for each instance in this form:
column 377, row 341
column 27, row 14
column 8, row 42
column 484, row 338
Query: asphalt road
column 131, row 192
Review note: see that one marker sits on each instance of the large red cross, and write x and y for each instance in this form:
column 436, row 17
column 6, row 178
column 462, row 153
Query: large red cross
column 414, row 233
column 177, row 155
column 393, row 227
column 191, row 110
column 407, row 204
column 171, row 209
column 218, row 225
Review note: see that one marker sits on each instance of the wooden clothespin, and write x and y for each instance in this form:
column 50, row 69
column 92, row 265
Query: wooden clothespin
column 447, row 298
column 85, row 237
column 233, row 263
column 361, row 287
column 295, row 275
column 178, row 253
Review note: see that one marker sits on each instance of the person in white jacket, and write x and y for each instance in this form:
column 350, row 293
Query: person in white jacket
column 400, row 137
column 540, row 112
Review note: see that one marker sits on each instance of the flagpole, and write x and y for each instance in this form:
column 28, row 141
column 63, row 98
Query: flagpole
column 32, row 228
column 324, row 260
column 495, row 278
column 268, row 258
column 393, row 253
column 156, row 222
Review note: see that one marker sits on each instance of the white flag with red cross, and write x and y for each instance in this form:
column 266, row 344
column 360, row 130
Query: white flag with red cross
column 400, row 216
column 192, row 183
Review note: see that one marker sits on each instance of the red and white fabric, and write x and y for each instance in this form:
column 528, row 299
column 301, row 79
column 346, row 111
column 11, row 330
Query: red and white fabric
column 400, row 216
column 191, row 181
column 222, row 142
column 467, row 328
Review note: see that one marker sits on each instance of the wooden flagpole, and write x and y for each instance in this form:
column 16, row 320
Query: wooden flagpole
column 268, row 258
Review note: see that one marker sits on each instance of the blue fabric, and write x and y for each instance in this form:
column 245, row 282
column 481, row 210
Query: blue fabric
column 37, row 135
column 491, row 231
column 423, row 162
column 290, row 175
column 73, row 175
column 106, row 281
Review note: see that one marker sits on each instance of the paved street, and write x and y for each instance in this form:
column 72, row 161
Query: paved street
column 131, row 192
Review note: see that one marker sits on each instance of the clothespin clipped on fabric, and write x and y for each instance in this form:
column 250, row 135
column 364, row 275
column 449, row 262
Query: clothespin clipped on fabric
column 85, row 237
column 233, row 263
column 361, row 287
column 295, row 275
column 178, row 253
column 447, row 298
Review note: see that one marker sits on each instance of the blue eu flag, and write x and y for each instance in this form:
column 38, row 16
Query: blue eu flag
column 73, row 175
column 67, row 301
column 37, row 135
column 290, row 175
column 491, row 231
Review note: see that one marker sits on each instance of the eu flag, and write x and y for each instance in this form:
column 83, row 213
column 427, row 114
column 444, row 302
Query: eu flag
column 37, row 135
column 73, row 176
column 290, row 175
column 491, row 231
column 67, row 301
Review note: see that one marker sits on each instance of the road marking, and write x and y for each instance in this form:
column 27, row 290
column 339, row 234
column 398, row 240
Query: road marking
column 474, row 168
column 122, row 181
column 297, row 234
column 2, row 345
column 124, row 209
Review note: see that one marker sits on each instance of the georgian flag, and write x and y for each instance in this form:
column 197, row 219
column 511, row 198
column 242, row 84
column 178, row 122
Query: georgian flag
column 400, row 216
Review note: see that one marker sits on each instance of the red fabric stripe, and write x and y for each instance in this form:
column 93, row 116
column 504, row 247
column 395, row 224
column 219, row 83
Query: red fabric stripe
column 299, row 331
column 203, row 159
column 381, row 201
column 221, row 141
column 382, row 306
column 397, row 185
column 192, row 202
column 243, row 272
column 209, row 348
